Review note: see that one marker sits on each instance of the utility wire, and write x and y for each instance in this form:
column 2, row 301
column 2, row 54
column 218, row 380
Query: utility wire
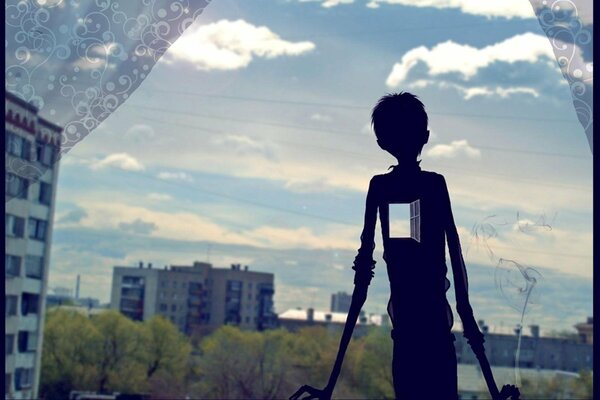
column 286, row 210
column 463, row 171
column 341, row 132
column 233, row 198
column 354, row 106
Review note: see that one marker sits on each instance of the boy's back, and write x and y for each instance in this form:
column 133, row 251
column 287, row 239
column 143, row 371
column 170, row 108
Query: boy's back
column 416, row 265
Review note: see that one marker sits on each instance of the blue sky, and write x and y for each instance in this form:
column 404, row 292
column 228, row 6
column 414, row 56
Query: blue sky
column 249, row 143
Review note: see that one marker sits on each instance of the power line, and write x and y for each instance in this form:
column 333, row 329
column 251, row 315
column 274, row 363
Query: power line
column 302, row 214
column 356, row 107
column 234, row 198
column 463, row 171
column 340, row 132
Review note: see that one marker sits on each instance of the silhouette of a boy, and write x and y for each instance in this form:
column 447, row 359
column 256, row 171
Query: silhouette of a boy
column 424, row 360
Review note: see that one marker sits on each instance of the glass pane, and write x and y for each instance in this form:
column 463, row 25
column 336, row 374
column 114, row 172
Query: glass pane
column 399, row 220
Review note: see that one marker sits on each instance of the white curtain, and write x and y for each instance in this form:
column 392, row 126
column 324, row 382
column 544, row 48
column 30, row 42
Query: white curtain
column 77, row 61
column 569, row 25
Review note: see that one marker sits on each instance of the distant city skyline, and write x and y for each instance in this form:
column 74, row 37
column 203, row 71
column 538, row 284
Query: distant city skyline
column 244, row 148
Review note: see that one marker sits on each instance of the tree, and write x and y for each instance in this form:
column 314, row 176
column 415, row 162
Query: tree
column 67, row 362
column 109, row 352
column 374, row 365
column 243, row 364
column 166, row 357
column 118, row 351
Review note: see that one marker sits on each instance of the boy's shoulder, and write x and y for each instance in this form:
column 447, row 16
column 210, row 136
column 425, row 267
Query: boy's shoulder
column 390, row 175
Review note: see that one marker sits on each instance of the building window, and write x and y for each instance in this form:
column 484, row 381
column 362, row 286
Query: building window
column 7, row 379
column 12, row 265
column 45, row 196
column 234, row 285
column 247, row 320
column 29, row 303
column 10, row 305
column 18, row 146
column 23, row 378
column 37, row 229
column 173, row 307
column 133, row 280
column 14, row 226
column 415, row 220
column 34, row 267
column 9, row 341
column 44, row 153
column 26, row 341
column 15, row 186
column 163, row 307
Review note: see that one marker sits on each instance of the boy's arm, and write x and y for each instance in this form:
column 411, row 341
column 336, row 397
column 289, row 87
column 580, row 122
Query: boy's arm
column 363, row 267
column 364, row 263
column 461, row 286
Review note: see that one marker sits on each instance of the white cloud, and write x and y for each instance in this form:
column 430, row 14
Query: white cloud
column 477, row 91
column 466, row 60
column 497, row 91
column 122, row 161
column 175, row 176
column 320, row 117
column 328, row 3
column 140, row 133
column 487, row 8
column 454, row 149
column 182, row 225
column 230, row 45
column 245, row 145
column 160, row 196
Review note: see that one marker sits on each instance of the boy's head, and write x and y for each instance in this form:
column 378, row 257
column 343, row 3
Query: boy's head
column 400, row 124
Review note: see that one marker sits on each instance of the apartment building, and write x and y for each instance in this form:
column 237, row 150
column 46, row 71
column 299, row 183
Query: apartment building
column 32, row 146
column 340, row 302
column 197, row 298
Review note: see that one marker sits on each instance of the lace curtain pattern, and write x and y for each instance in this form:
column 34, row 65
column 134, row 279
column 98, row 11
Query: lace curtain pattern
column 569, row 26
column 77, row 61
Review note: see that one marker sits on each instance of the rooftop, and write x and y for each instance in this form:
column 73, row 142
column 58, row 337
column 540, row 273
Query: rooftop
column 300, row 314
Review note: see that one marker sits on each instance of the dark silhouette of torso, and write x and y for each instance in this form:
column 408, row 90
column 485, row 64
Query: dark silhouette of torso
column 424, row 358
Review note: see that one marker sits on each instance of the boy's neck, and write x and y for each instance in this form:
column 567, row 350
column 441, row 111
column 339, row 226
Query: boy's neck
column 407, row 162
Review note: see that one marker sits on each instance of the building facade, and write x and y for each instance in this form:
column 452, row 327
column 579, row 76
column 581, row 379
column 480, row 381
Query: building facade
column 340, row 302
column 296, row 319
column 197, row 298
column 31, row 142
column 585, row 330
column 537, row 351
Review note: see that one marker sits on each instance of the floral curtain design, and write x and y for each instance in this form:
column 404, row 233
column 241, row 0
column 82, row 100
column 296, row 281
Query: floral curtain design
column 77, row 61
column 569, row 26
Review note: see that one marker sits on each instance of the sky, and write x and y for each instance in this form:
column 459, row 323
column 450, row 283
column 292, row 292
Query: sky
column 249, row 142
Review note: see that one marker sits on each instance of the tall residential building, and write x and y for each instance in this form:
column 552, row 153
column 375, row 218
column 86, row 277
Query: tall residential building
column 196, row 298
column 31, row 142
column 340, row 302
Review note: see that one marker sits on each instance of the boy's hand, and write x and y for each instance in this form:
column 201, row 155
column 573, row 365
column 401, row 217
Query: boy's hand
column 313, row 393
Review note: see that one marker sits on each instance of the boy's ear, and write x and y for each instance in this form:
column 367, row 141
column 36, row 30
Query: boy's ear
column 426, row 137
